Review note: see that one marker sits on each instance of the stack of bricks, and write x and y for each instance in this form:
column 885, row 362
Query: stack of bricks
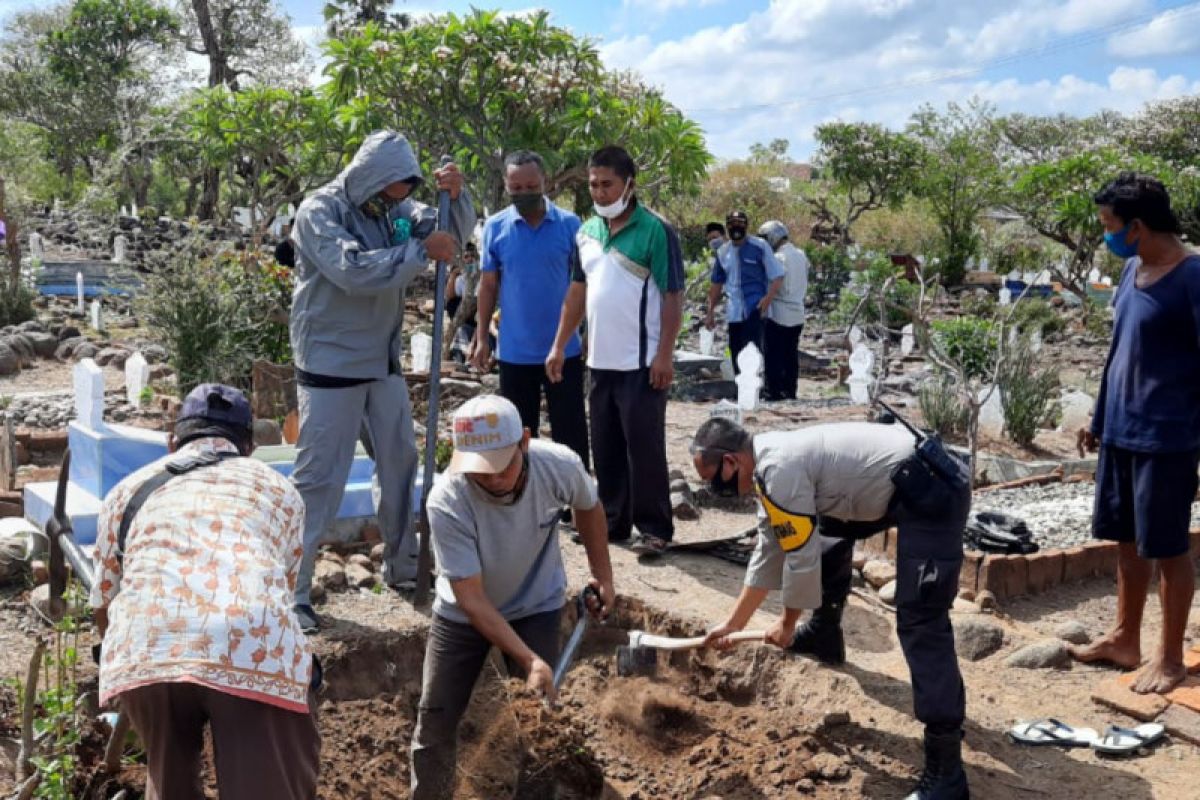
column 1010, row 576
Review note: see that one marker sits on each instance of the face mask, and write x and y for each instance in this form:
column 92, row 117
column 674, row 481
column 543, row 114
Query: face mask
column 618, row 208
column 715, row 244
column 722, row 487
column 379, row 206
column 737, row 234
column 1118, row 245
column 526, row 202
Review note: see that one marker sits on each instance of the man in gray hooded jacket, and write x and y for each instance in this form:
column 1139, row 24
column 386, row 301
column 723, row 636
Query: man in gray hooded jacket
column 360, row 240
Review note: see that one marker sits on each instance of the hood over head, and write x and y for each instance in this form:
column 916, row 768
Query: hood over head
column 384, row 158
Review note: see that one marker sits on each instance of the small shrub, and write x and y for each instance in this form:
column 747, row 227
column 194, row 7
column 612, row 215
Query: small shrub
column 218, row 315
column 829, row 274
column 1035, row 314
column 901, row 297
column 942, row 407
column 969, row 342
column 15, row 306
column 979, row 305
column 1027, row 393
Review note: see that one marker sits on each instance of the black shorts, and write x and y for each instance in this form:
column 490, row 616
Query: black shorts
column 1145, row 498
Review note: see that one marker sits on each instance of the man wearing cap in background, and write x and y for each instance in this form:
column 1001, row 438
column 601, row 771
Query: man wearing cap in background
column 196, row 558
column 359, row 241
column 494, row 519
column 785, row 317
column 746, row 270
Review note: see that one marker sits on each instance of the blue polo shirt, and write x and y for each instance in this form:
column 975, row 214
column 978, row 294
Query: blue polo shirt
column 746, row 272
column 535, row 266
column 1150, row 396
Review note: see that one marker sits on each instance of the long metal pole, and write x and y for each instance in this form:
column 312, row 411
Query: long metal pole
column 424, row 556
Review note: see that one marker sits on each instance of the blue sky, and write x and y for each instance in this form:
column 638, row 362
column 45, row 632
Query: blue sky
column 754, row 70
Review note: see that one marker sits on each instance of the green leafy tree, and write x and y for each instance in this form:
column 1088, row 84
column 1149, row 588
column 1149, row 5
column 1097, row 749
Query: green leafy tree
column 105, row 41
column 867, row 166
column 478, row 86
column 78, row 122
column 272, row 145
column 959, row 178
column 344, row 17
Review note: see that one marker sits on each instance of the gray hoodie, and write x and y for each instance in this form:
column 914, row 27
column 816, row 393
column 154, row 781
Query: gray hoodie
column 350, row 274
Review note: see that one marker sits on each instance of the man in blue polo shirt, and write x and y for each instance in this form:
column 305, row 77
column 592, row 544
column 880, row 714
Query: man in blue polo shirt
column 1147, row 426
column 528, row 253
column 746, row 270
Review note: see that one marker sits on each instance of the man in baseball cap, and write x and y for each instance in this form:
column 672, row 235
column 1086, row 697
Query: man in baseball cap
column 494, row 520
column 221, row 535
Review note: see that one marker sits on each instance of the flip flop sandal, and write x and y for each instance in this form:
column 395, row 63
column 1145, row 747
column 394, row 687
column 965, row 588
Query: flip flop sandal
column 1045, row 732
column 1118, row 741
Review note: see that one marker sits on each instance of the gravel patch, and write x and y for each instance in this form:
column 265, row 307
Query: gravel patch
column 1058, row 514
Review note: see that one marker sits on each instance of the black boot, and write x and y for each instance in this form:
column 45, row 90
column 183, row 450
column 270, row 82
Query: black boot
column 821, row 636
column 943, row 778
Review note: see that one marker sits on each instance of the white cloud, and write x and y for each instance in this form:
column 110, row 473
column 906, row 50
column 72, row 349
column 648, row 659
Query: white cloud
column 1170, row 33
column 663, row 6
column 783, row 70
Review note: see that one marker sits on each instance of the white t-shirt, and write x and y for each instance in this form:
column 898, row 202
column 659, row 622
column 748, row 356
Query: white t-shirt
column 788, row 306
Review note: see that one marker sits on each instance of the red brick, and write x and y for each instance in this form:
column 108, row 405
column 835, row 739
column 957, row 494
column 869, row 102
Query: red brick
column 1186, row 694
column 1076, row 564
column 968, row 578
column 1102, row 557
column 1004, row 576
column 1045, row 570
column 1016, row 582
column 1182, row 723
column 1114, row 694
column 48, row 441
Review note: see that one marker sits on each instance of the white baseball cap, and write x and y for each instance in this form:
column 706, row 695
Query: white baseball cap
column 487, row 431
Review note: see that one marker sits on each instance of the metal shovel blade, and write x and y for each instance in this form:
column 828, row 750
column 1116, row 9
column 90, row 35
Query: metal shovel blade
column 632, row 661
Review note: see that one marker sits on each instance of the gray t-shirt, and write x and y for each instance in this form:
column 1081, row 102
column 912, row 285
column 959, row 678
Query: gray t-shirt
column 514, row 547
column 841, row 470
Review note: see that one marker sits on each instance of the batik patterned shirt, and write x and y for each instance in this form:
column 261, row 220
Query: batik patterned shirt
column 203, row 593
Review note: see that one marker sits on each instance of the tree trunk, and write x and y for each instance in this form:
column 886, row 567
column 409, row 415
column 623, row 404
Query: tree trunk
column 11, row 243
column 218, row 74
column 209, row 194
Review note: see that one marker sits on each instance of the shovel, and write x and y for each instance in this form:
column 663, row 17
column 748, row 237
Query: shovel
column 640, row 656
column 568, row 654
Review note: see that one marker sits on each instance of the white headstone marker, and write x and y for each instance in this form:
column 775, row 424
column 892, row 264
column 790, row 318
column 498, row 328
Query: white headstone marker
column 120, row 248
column 137, row 377
column 79, row 293
column 89, row 394
column 908, row 340
column 862, row 362
column 1005, row 296
column 97, row 316
column 37, row 247
column 749, row 362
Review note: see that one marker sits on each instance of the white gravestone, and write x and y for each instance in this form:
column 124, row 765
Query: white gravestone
column 120, row 249
column 79, row 293
column 862, row 361
column 97, row 317
column 137, row 377
column 748, row 382
column 37, row 247
column 89, row 394
column 908, row 340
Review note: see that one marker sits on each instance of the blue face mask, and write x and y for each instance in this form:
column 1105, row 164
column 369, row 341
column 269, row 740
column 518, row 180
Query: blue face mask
column 1118, row 245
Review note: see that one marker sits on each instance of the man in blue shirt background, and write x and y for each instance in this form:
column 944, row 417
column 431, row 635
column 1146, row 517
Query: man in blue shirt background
column 746, row 270
column 1147, row 425
column 528, row 251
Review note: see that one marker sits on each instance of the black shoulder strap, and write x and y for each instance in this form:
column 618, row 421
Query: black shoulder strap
column 172, row 469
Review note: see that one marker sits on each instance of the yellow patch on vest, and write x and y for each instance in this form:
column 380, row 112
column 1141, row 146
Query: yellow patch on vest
column 792, row 530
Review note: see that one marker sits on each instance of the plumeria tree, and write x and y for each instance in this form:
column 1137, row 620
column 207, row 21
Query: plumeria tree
column 480, row 85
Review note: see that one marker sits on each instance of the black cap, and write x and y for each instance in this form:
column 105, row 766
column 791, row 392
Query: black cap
column 217, row 402
column 737, row 216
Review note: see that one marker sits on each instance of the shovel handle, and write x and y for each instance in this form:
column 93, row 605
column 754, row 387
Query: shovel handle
column 668, row 643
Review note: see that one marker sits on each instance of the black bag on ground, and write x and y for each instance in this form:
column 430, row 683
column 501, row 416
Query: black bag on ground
column 993, row 532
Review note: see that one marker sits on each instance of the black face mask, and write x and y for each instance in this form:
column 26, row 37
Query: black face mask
column 514, row 494
column 723, row 487
column 526, row 202
column 737, row 234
